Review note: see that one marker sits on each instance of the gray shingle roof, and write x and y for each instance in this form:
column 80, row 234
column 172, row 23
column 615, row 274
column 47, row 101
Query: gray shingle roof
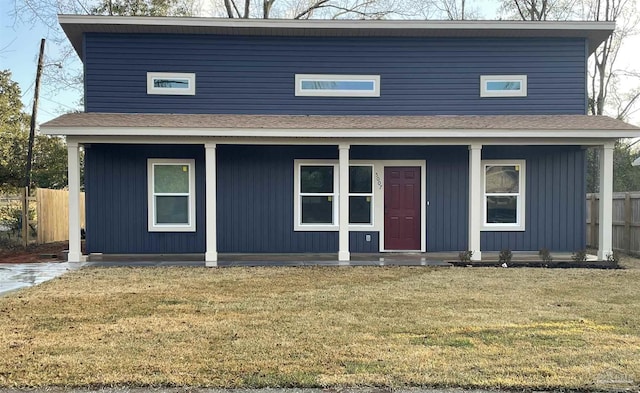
column 320, row 122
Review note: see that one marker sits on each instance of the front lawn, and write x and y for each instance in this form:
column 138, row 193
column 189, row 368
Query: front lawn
column 307, row 327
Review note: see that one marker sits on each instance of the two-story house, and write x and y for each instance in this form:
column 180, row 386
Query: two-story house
column 331, row 136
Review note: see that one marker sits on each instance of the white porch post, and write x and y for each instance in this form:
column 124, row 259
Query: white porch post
column 605, row 228
column 343, row 204
column 475, row 200
column 73, row 162
column 211, row 253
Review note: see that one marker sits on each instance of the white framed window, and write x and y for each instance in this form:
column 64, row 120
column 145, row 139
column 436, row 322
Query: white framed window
column 361, row 194
column 171, row 83
column 503, row 86
column 316, row 196
column 172, row 195
column 503, row 184
column 316, row 189
column 337, row 85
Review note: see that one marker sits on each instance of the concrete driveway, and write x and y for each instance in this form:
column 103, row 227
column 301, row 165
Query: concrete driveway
column 14, row 276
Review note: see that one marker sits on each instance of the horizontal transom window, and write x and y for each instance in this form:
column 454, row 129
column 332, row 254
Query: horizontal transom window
column 337, row 85
column 171, row 83
column 503, row 86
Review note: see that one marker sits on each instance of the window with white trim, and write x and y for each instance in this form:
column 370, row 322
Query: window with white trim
column 503, row 86
column 503, row 183
column 171, row 83
column 317, row 191
column 337, row 85
column 318, row 194
column 171, row 192
column 360, row 194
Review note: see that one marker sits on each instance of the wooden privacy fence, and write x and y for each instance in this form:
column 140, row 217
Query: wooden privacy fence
column 626, row 221
column 53, row 214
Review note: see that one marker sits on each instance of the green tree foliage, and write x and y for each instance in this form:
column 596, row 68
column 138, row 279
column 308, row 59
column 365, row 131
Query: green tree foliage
column 49, row 154
column 625, row 176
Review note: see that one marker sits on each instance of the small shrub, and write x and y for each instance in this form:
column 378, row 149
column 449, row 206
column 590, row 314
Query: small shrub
column 465, row 256
column 505, row 255
column 614, row 258
column 545, row 255
column 579, row 256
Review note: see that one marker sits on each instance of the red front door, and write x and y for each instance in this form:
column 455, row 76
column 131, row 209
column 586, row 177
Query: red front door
column 402, row 208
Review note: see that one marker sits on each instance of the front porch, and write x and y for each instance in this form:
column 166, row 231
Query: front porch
column 262, row 212
column 427, row 259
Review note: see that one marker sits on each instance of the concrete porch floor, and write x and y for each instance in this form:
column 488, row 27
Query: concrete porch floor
column 441, row 259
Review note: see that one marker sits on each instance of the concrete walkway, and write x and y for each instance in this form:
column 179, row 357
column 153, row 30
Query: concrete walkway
column 14, row 276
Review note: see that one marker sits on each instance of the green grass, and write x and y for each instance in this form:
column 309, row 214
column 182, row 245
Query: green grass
column 317, row 327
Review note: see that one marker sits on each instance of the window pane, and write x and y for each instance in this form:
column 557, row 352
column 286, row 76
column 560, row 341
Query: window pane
column 172, row 210
column 360, row 179
column 338, row 85
column 171, row 178
column 502, row 179
column 502, row 209
column 360, row 210
column 316, row 179
column 172, row 83
column 317, row 210
column 503, row 85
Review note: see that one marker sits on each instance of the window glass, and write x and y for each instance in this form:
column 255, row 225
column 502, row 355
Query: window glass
column 502, row 209
column 360, row 179
column 172, row 209
column 166, row 83
column 503, row 85
column 502, row 179
column 338, row 85
column 171, row 178
column 316, row 179
column 359, row 209
column 317, row 210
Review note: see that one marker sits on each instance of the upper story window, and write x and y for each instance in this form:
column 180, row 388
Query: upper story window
column 503, row 86
column 338, row 85
column 171, row 83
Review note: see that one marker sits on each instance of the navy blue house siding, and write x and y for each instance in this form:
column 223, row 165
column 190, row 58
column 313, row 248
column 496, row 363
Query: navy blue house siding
column 255, row 199
column 116, row 200
column 419, row 76
column 555, row 213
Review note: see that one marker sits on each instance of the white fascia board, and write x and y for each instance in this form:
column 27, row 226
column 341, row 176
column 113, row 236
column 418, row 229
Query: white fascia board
column 334, row 24
column 341, row 133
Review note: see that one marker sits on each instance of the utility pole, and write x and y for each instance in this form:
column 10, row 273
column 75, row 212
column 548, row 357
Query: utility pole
column 32, row 133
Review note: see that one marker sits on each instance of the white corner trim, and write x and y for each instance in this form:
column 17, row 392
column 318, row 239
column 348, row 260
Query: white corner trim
column 152, row 225
column 486, row 79
column 189, row 77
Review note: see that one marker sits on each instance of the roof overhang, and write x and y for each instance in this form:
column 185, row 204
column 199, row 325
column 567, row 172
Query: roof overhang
column 75, row 26
column 539, row 127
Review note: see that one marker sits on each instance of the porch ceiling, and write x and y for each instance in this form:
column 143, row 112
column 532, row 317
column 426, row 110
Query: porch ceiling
column 324, row 126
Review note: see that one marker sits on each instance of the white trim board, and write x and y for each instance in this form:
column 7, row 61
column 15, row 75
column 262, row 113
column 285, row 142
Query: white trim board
column 586, row 142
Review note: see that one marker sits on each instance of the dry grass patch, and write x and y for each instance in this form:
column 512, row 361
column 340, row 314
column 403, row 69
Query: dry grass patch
column 509, row 328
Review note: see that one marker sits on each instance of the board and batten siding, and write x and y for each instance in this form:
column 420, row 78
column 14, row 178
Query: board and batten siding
column 555, row 206
column 255, row 199
column 255, row 75
column 116, row 200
